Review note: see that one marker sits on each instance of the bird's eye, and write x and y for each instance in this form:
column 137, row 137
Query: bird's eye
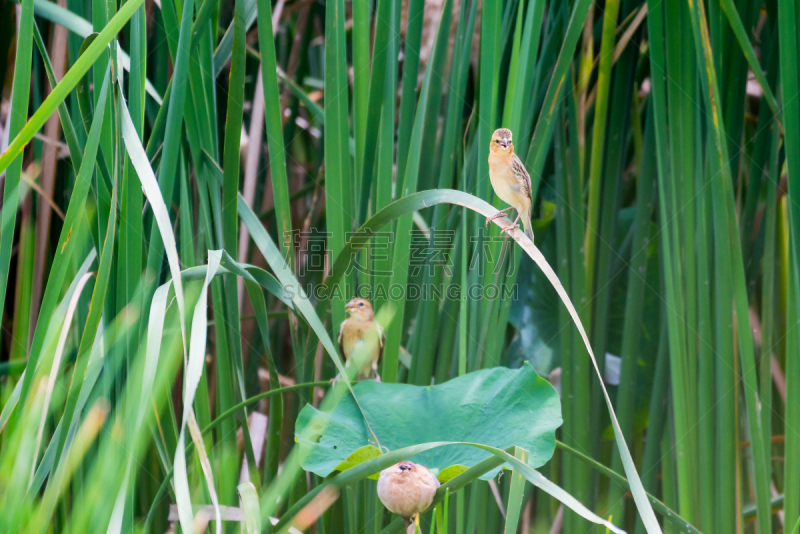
column 360, row 304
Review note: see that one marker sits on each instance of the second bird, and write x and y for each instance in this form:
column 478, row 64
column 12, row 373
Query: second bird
column 510, row 180
column 357, row 330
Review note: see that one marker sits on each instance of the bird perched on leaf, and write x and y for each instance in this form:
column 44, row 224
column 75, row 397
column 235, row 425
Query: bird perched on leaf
column 510, row 180
column 407, row 489
column 358, row 329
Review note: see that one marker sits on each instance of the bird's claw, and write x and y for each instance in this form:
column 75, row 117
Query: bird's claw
column 508, row 228
column 493, row 217
column 500, row 213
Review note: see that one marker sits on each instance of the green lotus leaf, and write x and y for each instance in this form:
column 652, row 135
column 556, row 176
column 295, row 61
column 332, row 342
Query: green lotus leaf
column 367, row 452
column 450, row 473
column 499, row 407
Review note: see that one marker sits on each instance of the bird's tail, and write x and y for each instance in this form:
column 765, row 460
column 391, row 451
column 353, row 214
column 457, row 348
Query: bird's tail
column 526, row 224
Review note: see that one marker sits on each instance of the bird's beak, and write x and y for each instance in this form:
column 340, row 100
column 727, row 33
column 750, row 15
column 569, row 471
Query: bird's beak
column 349, row 305
column 506, row 142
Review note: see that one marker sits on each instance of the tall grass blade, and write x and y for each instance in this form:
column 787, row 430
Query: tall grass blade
column 153, row 193
column 159, row 242
column 515, row 494
column 104, row 272
column 272, row 113
column 610, row 13
column 634, row 308
column 406, row 187
column 383, row 74
column 790, row 85
column 730, row 252
column 251, row 523
column 338, row 183
column 66, row 245
column 18, row 114
column 411, row 51
column 546, row 122
column 51, row 381
column 194, row 369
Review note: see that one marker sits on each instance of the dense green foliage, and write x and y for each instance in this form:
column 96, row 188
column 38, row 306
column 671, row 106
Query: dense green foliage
column 193, row 190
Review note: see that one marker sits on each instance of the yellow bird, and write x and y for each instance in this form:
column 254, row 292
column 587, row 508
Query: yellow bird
column 407, row 489
column 510, row 180
column 358, row 329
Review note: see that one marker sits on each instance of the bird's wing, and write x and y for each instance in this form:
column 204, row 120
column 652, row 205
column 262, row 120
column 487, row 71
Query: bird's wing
column 521, row 175
column 341, row 340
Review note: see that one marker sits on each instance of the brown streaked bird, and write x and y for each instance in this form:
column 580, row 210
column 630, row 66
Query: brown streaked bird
column 357, row 329
column 510, row 180
column 407, row 489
